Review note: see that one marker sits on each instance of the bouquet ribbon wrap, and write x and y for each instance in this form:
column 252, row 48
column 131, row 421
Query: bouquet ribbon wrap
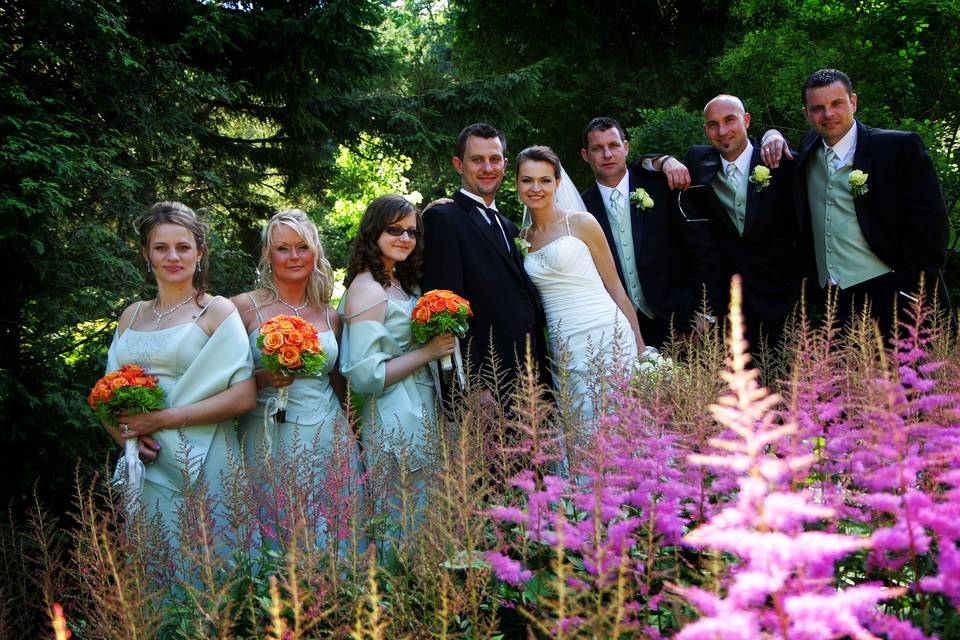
column 135, row 472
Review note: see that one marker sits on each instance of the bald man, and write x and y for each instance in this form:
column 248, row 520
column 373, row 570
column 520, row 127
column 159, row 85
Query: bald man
column 750, row 216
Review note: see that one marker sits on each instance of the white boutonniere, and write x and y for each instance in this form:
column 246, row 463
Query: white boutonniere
column 522, row 246
column 642, row 199
column 760, row 178
column 858, row 183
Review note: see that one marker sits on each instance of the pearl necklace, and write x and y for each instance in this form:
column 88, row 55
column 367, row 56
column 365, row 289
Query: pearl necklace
column 296, row 310
column 161, row 315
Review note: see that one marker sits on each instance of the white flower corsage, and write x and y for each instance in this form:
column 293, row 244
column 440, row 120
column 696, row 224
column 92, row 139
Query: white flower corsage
column 642, row 199
column 760, row 178
column 858, row 183
column 522, row 246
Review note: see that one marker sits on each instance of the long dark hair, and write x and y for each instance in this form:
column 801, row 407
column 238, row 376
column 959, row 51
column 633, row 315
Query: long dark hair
column 366, row 254
column 169, row 212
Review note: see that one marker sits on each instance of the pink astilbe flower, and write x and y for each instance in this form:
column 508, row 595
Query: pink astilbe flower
column 835, row 615
column 895, row 453
column 507, row 569
column 629, row 505
column 783, row 585
column 947, row 581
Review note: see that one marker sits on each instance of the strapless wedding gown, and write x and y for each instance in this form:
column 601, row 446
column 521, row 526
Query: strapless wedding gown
column 589, row 335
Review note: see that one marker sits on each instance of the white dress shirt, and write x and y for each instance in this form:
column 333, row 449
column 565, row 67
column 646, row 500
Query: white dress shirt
column 844, row 148
column 482, row 208
column 742, row 162
column 623, row 187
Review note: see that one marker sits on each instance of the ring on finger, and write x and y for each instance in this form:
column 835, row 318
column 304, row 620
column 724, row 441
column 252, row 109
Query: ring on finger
column 124, row 429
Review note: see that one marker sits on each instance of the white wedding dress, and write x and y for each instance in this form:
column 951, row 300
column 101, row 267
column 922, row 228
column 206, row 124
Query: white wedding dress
column 590, row 337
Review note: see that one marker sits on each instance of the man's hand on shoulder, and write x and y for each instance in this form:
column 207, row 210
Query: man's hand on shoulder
column 773, row 147
column 675, row 172
column 678, row 176
column 436, row 202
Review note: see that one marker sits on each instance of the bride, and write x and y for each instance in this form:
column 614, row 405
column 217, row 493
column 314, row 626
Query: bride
column 589, row 315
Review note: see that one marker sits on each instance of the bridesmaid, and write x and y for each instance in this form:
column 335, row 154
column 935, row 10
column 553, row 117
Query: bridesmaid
column 380, row 357
column 295, row 279
column 195, row 344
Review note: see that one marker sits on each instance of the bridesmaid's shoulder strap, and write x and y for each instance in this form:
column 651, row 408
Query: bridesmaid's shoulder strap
column 326, row 314
column 136, row 312
column 365, row 309
column 256, row 307
column 205, row 307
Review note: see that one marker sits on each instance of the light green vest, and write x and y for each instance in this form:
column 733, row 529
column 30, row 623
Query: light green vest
column 623, row 239
column 843, row 256
column 733, row 199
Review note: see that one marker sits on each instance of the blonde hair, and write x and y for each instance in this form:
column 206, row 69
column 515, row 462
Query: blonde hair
column 320, row 285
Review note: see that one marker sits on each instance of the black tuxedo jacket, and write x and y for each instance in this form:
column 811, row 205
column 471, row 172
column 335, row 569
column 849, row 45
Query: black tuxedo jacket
column 766, row 254
column 903, row 215
column 466, row 255
column 675, row 259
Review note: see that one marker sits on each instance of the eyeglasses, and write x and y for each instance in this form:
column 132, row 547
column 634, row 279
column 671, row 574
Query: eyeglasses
column 680, row 204
column 413, row 234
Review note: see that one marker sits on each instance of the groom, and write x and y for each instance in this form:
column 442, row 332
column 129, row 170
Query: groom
column 469, row 249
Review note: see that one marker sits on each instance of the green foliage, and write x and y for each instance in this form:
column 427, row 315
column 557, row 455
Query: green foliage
column 440, row 323
column 671, row 130
column 608, row 59
column 369, row 170
column 129, row 400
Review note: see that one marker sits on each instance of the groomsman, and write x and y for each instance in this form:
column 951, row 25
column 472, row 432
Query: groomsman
column 750, row 209
column 868, row 203
column 663, row 260
column 469, row 249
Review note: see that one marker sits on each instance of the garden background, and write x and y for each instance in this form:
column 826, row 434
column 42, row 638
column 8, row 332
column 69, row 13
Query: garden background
column 243, row 108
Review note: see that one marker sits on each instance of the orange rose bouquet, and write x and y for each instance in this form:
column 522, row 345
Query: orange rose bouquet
column 129, row 389
column 437, row 312
column 290, row 346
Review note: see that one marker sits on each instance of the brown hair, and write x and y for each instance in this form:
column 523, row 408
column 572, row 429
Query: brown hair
column 602, row 123
column 540, row 153
column 825, row 78
column 366, row 254
column 479, row 130
column 169, row 212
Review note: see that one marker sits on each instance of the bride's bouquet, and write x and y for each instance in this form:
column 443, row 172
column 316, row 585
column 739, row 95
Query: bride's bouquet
column 290, row 346
column 127, row 390
column 437, row 312
column 653, row 366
